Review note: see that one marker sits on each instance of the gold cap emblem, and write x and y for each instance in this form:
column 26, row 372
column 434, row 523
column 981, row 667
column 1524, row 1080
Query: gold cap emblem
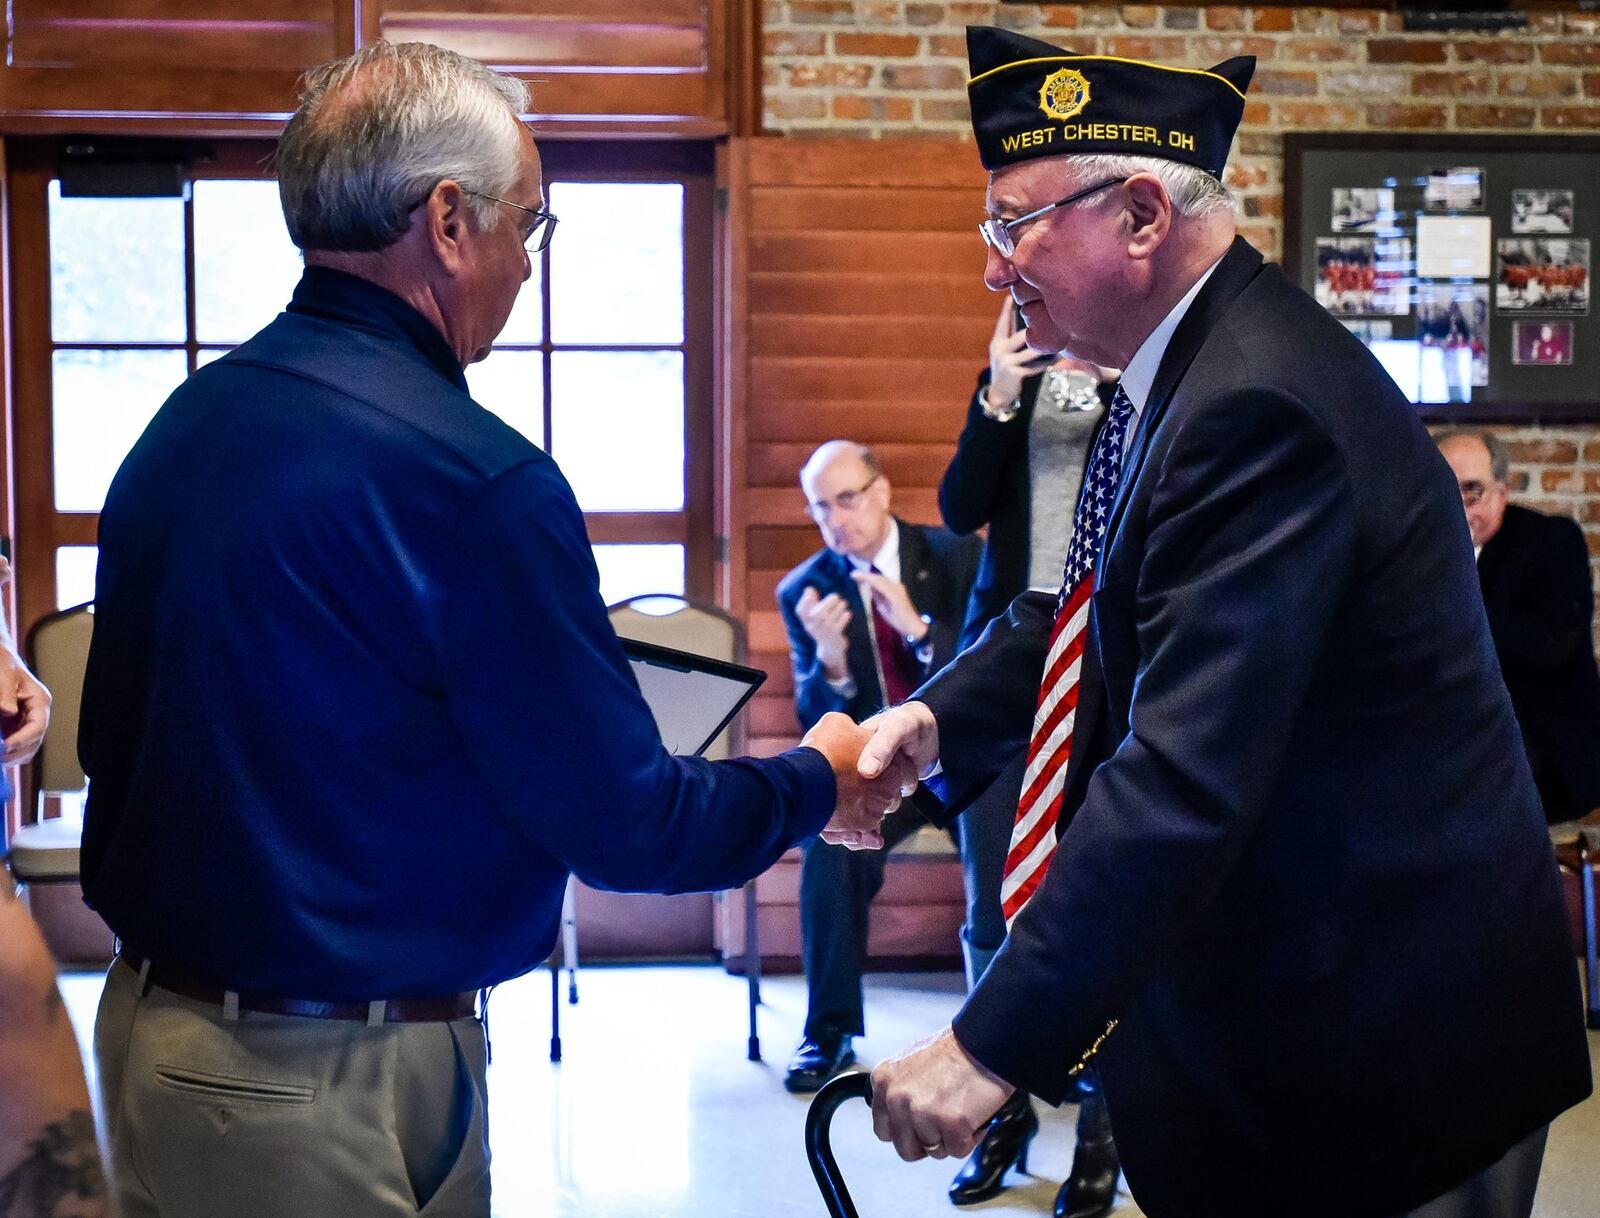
column 1064, row 94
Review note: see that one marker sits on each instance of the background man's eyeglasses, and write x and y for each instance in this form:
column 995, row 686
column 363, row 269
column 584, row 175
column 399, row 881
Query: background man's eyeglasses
column 537, row 229
column 845, row 501
column 998, row 234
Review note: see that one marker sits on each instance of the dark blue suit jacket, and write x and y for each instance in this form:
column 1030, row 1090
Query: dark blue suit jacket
column 1305, row 865
column 354, row 710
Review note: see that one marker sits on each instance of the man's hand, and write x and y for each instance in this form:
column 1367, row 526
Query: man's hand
column 934, row 1100
column 891, row 599
column 905, row 743
column 824, row 619
column 24, row 709
column 861, row 803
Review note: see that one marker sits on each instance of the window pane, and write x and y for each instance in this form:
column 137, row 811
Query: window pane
column 102, row 401
column 245, row 266
column 526, row 323
column 511, row 383
column 616, row 264
column 636, row 570
column 116, row 269
column 617, row 428
column 75, row 575
column 205, row 355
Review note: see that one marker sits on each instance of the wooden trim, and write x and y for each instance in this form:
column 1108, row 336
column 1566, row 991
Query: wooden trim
column 29, row 300
column 699, row 378
column 744, row 106
column 733, row 373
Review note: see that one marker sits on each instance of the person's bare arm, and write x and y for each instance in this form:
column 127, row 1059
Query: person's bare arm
column 49, row 1160
column 24, row 701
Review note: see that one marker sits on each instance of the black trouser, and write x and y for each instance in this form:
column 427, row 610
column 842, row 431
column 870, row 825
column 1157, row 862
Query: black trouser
column 837, row 885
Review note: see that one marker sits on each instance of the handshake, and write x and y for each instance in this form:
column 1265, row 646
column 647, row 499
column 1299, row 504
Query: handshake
column 876, row 764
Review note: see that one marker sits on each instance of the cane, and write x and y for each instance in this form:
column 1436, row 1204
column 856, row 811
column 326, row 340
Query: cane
column 823, row 1165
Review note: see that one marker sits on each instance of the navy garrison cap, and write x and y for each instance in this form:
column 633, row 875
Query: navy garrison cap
column 1030, row 99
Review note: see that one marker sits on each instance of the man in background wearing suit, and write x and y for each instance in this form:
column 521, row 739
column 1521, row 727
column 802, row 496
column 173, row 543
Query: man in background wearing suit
column 1534, row 570
column 1280, row 869
column 869, row 617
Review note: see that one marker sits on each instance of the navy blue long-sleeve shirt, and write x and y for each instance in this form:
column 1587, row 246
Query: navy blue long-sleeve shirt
column 353, row 709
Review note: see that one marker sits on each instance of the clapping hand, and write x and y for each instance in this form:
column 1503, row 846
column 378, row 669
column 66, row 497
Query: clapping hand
column 890, row 598
column 824, row 618
column 862, row 803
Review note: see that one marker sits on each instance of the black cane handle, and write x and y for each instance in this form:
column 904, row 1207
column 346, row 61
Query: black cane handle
column 820, row 1116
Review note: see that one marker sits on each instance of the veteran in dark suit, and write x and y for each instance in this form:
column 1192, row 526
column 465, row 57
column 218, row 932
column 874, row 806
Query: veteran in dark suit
column 1534, row 570
column 1287, row 882
column 870, row 617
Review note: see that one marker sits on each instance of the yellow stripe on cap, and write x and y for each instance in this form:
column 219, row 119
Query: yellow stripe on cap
column 1138, row 63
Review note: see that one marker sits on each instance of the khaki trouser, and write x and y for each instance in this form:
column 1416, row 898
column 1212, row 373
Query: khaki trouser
column 268, row 1116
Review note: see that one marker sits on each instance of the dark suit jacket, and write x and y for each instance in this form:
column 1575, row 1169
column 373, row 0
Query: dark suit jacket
column 989, row 482
column 937, row 569
column 1535, row 577
column 1304, row 864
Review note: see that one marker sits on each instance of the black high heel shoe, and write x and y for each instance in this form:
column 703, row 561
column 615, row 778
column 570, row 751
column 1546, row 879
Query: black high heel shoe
column 1004, row 1142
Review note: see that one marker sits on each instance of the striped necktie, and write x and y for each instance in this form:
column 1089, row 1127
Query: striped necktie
column 1033, row 837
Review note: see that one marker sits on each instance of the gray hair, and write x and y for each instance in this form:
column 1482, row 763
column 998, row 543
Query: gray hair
column 1499, row 455
column 1193, row 191
column 378, row 130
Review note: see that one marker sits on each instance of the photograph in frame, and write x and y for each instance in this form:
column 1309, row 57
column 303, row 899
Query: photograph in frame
column 1364, row 276
column 1541, row 342
column 1453, row 340
column 1458, row 188
column 1361, row 209
column 1542, row 275
column 1541, row 211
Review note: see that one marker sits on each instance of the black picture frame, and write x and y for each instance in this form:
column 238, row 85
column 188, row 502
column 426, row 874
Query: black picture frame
column 1516, row 393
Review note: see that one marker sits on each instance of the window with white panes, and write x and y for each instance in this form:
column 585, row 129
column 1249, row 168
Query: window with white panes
column 604, row 363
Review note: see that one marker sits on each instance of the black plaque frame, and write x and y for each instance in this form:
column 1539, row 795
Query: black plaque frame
column 1516, row 393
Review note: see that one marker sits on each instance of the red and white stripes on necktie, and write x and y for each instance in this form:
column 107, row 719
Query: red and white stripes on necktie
column 1033, row 837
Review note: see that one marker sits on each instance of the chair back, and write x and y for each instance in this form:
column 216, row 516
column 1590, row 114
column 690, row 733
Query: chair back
column 669, row 620
column 58, row 653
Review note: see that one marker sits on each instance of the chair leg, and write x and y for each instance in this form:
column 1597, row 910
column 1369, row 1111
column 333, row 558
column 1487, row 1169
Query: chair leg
column 555, row 1010
column 1591, row 971
column 752, row 968
column 569, row 941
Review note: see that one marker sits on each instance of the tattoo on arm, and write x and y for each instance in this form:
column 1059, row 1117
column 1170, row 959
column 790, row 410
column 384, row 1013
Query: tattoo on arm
column 60, row 1176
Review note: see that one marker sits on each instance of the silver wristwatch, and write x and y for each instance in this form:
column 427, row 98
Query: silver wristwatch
column 1002, row 415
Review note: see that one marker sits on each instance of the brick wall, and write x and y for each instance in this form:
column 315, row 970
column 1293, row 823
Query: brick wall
column 874, row 68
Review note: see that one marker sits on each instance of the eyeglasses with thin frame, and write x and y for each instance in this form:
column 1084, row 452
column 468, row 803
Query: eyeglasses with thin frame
column 845, row 501
column 997, row 234
column 536, row 230
column 1472, row 493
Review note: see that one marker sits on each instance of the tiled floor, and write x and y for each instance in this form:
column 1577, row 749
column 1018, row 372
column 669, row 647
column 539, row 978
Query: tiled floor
column 655, row 1113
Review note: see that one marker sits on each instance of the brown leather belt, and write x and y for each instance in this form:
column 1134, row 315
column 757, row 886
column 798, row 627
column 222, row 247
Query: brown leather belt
column 392, row 1010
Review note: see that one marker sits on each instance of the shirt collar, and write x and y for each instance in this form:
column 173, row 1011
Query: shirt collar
column 1139, row 377
column 350, row 300
column 887, row 559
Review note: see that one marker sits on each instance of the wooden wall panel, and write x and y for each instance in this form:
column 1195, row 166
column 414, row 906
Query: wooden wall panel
column 865, row 316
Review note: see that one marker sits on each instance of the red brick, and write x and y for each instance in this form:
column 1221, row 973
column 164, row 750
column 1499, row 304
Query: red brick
column 1285, row 84
column 1452, row 84
column 1389, row 117
column 1552, row 480
column 1272, row 20
column 1213, row 49
column 1518, row 481
column 1591, row 477
column 943, row 110
column 1589, row 513
column 787, row 43
column 831, row 75
column 1592, row 536
column 1140, row 16
column 1225, row 18
column 1591, row 452
column 1357, row 22
column 771, row 13
column 1061, row 18
column 1364, row 84
column 1405, row 50
column 1245, row 177
column 1494, row 116
column 1159, row 49
column 887, row 12
column 872, row 109
column 903, row 76
column 1257, row 114
column 1584, row 24
column 1316, row 50
column 1591, row 84
column 1544, row 23
column 1570, row 118
column 781, row 106
column 1316, row 21
column 1180, row 19
column 876, row 46
column 1315, row 115
column 1542, row 452
column 1537, row 84
column 1256, row 206
column 822, row 12
column 925, row 14
column 947, row 46
column 1263, row 236
column 971, row 14
column 1501, row 51
column 1260, row 143
column 1585, row 54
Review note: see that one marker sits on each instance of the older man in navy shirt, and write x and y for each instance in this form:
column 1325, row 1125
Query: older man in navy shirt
column 354, row 711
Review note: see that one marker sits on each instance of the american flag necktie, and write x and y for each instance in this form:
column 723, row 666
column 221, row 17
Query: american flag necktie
column 1033, row 837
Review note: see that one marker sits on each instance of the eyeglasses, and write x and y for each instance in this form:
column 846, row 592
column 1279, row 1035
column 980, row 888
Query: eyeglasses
column 537, row 229
column 1472, row 493
column 997, row 234
column 845, row 501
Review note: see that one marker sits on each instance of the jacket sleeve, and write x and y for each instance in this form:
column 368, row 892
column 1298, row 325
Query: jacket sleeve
column 551, row 718
column 971, row 486
column 1248, row 555
column 813, row 696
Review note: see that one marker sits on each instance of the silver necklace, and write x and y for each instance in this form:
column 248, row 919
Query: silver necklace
column 1070, row 390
